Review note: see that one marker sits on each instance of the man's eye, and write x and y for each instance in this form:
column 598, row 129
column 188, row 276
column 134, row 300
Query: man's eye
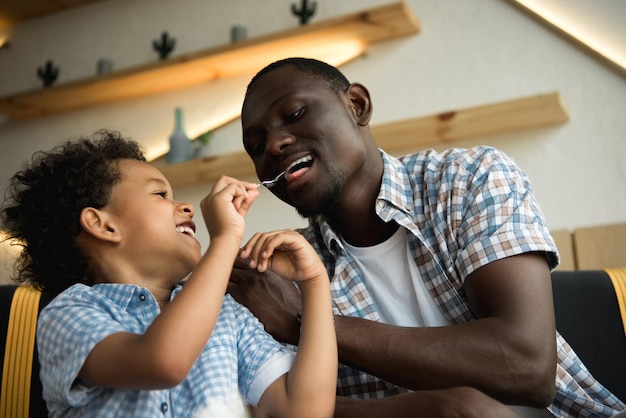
column 292, row 117
column 258, row 148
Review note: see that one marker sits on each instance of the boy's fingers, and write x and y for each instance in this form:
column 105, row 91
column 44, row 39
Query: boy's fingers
column 252, row 248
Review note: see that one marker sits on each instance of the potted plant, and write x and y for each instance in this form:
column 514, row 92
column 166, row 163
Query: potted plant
column 204, row 147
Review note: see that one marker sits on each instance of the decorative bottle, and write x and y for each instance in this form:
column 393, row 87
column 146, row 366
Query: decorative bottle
column 180, row 144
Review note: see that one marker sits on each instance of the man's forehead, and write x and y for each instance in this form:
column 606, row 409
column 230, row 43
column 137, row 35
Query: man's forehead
column 276, row 86
column 286, row 77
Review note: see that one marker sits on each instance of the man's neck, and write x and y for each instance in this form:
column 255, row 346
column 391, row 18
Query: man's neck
column 363, row 229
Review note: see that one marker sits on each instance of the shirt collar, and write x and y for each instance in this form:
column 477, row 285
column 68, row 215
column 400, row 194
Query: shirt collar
column 125, row 295
column 395, row 189
column 395, row 198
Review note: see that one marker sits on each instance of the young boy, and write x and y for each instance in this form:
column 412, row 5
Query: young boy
column 100, row 228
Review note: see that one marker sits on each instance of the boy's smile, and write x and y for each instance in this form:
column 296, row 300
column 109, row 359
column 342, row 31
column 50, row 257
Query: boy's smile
column 187, row 228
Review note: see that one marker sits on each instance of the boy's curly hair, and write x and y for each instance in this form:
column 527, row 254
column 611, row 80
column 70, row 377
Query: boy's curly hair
column 42, row 206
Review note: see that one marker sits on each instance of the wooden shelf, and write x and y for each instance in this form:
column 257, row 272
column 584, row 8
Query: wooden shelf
column 401, row 136
column 508, row 116
column 334, row 40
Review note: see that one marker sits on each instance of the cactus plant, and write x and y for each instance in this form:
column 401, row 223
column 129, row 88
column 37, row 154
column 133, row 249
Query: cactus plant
column 305, row 13
column 48, row 74
column 204, row 148
column 164, row 46
column 205, row 138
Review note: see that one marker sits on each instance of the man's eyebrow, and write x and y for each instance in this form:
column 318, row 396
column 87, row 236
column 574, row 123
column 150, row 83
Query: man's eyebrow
column 251, row 130
column 281, row 98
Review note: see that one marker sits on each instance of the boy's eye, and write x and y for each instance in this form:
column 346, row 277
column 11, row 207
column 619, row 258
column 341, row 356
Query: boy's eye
column 163, row 194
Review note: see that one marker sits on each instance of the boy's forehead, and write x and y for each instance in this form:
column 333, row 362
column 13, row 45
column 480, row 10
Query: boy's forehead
column 128, row 165
column 139, row 171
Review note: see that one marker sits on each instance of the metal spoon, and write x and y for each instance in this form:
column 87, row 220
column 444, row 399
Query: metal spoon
column 271, row 183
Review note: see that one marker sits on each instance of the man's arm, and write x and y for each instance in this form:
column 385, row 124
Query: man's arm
column 509, row 352
column 462, row 402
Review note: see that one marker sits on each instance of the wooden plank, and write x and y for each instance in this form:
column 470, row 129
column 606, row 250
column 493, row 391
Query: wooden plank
column 565, row 244
column 397, row 137
column 508, row 116
column 335, row 41
column 600, row 247
column 199, row 171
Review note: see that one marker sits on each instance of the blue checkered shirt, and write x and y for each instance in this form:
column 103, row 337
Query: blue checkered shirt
column 463, row 209
column 239, row 358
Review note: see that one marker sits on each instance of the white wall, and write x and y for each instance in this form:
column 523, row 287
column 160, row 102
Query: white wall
column 469, row 52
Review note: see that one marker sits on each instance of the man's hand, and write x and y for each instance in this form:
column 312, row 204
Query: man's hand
column 461, row 402
column 272, row 299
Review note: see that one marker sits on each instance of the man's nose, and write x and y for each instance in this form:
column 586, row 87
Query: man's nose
column 277, row 142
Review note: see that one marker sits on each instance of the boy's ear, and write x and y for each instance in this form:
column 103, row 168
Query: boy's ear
column 361, row 103
column 98, row 224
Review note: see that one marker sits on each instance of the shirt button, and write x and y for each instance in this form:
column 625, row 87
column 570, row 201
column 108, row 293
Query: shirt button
column 164, row 407
column 142, row 297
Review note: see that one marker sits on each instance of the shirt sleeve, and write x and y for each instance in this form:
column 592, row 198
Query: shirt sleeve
column 262, row 359
column 67, row 330
column 495, row 214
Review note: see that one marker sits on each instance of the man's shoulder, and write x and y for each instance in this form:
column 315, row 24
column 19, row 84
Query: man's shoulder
column 464, row 156
column 455, row 163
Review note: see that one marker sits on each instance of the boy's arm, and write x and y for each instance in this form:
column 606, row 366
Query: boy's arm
column 309, row 387
column 164, row 354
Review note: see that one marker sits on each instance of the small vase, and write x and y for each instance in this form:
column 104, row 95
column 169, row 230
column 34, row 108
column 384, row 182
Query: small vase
column 180, row 144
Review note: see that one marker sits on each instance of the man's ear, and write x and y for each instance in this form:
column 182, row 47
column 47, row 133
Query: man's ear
column 98, row 224
column 361, row 103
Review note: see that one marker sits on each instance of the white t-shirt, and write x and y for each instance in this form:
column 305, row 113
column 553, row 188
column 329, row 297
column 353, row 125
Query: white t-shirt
column 394, row 283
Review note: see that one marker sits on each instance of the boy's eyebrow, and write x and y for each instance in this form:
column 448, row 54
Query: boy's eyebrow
column 157, row 180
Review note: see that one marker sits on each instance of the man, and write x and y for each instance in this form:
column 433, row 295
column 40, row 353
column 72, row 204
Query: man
column 439, row 263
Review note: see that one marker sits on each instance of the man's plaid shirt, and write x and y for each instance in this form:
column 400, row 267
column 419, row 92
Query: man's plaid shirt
column 464, row 209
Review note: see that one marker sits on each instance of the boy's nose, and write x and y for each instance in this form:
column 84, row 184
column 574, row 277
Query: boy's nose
column 187, row 208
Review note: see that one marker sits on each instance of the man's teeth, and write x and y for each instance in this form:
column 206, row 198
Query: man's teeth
column 185, row 230
column 305, row 159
